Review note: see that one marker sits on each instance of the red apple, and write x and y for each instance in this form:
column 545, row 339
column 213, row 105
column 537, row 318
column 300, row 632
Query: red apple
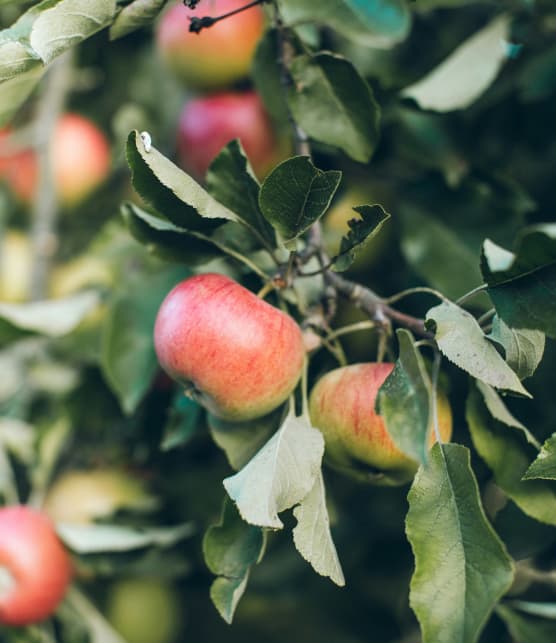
column 342, row 406
column 217, row 56
column 35, row 569
column 239, row 356
column 209, row 123
column 80, row 162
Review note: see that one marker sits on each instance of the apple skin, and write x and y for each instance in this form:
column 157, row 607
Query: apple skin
column 80, row 162
column 209, row 123
column 35, row 568
column 16, row 262
column 342, row 406
column 217, row 56
column 239, row 356
column 81, row 497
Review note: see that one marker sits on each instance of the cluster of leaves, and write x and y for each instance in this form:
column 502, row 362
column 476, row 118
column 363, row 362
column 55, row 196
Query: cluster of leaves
column 455, row 210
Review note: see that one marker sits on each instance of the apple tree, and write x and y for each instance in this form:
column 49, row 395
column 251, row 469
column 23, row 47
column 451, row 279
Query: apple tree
column 277, row 321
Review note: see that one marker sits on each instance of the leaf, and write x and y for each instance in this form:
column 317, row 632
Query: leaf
column 52, row 318
column 16, row 91
column 280, row 475
column 295, row 195
column 547, row 610
column 171, row 191
column 526, row 630
column 361, row 231
column 522, row 285
column 462, row 341
column 334, row 105
column 231, row 181
column 128, row 359
column 15, row 58
column 404, row 400
column 240, row 441
column 376, row 23
column 182, row 422
column 312, row 536
column 524, row 348
column 140, row 13
column 461, row 566
column 91, row 539
column 230, row 549
column 467, row 72
column 508, row 455
column 500, row 412
column 165, row 240
column 544, row 466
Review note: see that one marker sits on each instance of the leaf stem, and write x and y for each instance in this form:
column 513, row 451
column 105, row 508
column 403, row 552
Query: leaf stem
column 412, row 291
column 198, row 24
column 470, row 294
column 434, row 390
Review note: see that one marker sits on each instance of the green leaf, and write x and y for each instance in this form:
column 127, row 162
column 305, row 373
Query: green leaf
column 377, row 23
column 461, row 566
column 230, row 549
column 466, row 73
column 128, row 360
column 546, row 610
column 361, row 231
column 15, row 58
column 280, row 475
column 428, row 244
column 404, row 400
column 171, row 191
column 524, row 348
column 295, row 195
column 182, row 422
column 526, row 630
column 16, row 91
column 140, row 13
column 522, row 285
column 544, row 465
column 240, row 441
column 91, row 539
column 165, row 240
column 536, row 79
column 334, row 105
column 52, row 318
column 508, row 455
column 312, row 536
column 462, row 341
column 231, row 181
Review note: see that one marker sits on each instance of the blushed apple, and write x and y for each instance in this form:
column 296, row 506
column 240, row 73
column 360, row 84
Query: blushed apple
column 342, row 406
column 237, row 355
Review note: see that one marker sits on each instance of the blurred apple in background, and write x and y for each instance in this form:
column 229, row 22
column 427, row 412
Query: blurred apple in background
column 80, row 162
column 16, row 260
column 217, row 56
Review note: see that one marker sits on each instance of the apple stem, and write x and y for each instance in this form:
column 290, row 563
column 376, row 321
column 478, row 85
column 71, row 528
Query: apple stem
column 198, row 24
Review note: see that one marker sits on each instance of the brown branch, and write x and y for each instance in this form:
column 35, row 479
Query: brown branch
column 198, row 24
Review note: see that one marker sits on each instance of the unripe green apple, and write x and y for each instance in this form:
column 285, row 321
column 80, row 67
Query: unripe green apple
column 35, row 568
column 145, row 610
column 81, row 497
column 342, row 406
column 237, row 355
column 80, row 161
column 217, row 56
column 208, row 123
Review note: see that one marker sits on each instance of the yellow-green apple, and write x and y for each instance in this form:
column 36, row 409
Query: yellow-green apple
column 145, row 610
column 81, row 497
column 208, row 123
column 217, row 56
column 342, row 406
column 236, row 354
column 16, row 261
column 80, row 161
column 35, row 568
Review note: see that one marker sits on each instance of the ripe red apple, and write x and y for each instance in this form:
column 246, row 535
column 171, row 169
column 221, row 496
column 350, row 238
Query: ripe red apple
column 342, row 406
column 209, row 123
column 241, row 356
column 217, row 56
column 35, row 569
column 80, row 162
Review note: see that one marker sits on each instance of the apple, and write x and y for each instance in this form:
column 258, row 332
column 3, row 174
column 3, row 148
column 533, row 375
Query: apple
column 80, row 162
column 342, row 406
column 78, row 274
column 217, row 56
column 35, row 568
column 16, row 261
column 81, row 497
column 209, row 123
column 145, row 610
column 237, row 355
